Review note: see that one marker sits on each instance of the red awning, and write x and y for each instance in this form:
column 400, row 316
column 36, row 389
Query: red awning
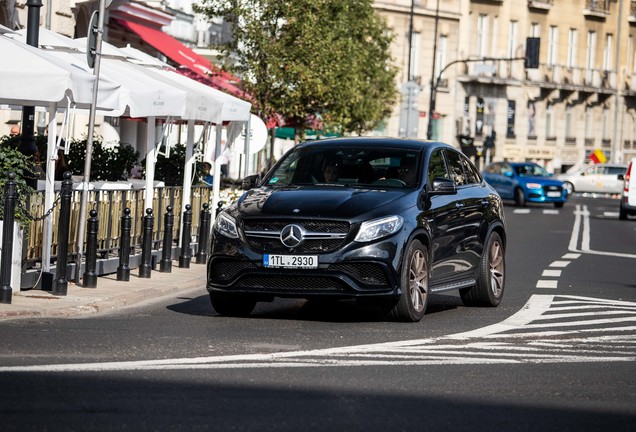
column 182, row 55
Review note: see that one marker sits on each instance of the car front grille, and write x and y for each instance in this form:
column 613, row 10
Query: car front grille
column 321, row 236
column 296, row 284
column 552, row 188
column 371, row 274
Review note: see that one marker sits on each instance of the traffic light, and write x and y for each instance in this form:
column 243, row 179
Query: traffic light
column 532, row 53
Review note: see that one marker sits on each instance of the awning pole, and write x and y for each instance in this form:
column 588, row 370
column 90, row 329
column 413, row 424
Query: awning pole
column 89, row 145
column 49, row 188
column 216, row 180
column 187, row 171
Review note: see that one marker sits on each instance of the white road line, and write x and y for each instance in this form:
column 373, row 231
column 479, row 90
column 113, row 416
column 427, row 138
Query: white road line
column 521, row 211
column 547, row 283
column 571, row 256
column 550, row 212
column 525, row 337
column 582, row 216
column 551, row 273
column 560, row 264
column 610, row 214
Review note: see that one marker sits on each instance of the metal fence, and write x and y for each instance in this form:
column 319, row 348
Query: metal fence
column 110, row 205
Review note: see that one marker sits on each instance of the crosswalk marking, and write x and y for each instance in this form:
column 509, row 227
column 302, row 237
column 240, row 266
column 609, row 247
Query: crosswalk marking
column 548, row 329
column 547, row 283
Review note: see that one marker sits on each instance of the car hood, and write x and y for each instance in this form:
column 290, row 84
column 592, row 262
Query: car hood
column 547, row 181
column 321, row 202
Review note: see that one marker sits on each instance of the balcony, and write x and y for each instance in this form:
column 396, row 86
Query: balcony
column 596, row 9
column 631, row 17
column 542, row 5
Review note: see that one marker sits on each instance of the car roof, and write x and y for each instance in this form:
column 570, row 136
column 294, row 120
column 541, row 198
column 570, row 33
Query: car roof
column 407, row 143
column 523, row 163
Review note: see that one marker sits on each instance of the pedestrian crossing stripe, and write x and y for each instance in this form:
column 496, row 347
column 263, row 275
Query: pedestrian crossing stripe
column 548, row 329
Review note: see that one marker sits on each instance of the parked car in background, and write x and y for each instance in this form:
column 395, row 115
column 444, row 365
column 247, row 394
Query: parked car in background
column 628, row 194
column 398, row 220
column 597, row 178
column 525, row 182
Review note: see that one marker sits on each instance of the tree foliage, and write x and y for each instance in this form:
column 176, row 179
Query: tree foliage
column 308, row 60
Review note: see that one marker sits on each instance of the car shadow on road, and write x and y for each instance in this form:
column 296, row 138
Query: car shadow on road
column 344, row 311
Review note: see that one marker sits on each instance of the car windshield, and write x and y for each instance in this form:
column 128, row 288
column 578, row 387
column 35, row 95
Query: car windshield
column 531, row 170
column 347, row 166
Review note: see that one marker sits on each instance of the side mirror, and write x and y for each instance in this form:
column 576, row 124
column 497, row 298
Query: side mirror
column 250, row 182
column 443, row 186
column 508, row 173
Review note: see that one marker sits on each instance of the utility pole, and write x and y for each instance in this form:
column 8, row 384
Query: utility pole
column 409, row 116
column 431, row 103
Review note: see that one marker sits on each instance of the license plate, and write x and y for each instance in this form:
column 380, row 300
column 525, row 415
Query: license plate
column 554, row 194
column 290, row 261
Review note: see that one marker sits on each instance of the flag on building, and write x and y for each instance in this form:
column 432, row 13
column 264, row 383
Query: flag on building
column 598, row 156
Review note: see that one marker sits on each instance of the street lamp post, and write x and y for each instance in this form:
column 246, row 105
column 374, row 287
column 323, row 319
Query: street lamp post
column 27, row 139
column 431, row 104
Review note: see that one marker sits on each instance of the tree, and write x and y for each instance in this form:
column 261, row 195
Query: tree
column 311, row 61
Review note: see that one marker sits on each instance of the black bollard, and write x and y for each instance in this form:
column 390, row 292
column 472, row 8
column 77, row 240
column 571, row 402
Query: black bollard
column 165, row 265
column 60, row 285
column 219, row 207
column 10, row 199
column 204, row 232
column 145, row 268
column 123, row 270
column 186, row 237
column 90, row 274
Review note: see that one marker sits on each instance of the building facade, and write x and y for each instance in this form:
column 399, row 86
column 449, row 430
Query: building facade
column 466, row 58
column 581, row 97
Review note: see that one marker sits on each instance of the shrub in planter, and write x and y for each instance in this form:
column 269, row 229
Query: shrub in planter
column 107, row 163
column 11, row 160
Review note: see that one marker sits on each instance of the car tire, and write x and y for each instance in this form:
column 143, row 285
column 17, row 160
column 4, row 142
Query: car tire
column 489, row 289
column 622, row 213
column 569, row 188
column 558, row 205
column 520, row 198
column 232, row 304
column 414, row 279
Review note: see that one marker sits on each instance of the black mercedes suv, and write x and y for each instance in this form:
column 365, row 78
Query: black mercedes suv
column 380, row 219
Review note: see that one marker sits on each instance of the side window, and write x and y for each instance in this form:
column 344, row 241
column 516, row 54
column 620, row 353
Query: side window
column 437, row 166
column 472, row 175
column 506, row 169
column 455, row 168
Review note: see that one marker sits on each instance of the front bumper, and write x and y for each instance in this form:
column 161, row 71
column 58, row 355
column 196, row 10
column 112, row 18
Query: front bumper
column 366, row 270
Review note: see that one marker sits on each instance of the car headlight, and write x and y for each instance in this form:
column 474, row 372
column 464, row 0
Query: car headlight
column 378, row 228
column 533, row 185
column 226, row 225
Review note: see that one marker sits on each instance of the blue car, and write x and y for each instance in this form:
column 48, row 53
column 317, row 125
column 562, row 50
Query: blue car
column 525, row 182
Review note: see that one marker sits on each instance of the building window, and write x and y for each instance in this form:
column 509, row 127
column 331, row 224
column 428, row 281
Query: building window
column 590, row 59
column 532, row 111
column 549, row 122
column 607, row 52
column 535, row 30
column 482, row 24
column 572, row 48
column 605, row 125
column 553, row 43
column 568, row 123
column 440, row 61
column 512, row 39
column 415, row 49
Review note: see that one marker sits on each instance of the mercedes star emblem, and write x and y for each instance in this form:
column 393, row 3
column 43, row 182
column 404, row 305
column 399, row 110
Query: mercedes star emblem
column 291, row 235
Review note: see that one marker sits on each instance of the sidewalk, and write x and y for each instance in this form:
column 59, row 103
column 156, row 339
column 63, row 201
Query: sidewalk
column 110, row 294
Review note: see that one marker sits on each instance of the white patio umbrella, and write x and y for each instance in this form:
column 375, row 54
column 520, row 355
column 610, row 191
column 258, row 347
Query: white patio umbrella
column 234, row 110
column 36, row 78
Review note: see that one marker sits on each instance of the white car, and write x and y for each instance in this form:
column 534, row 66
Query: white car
column 597, row 178
column 628, row 195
